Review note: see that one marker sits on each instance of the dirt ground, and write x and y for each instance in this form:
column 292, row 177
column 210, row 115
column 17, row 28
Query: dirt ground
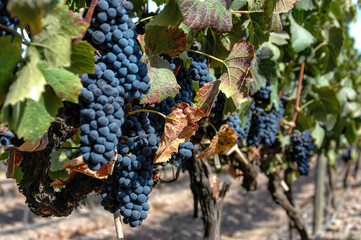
column 245, row 215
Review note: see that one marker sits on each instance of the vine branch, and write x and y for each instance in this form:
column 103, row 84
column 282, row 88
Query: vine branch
column 11, row 30
column 297, row 106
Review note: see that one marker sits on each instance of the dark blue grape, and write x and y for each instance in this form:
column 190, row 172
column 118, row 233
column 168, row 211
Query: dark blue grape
column 300, row 151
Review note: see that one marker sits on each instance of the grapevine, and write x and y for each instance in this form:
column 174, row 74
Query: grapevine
column 105, row 95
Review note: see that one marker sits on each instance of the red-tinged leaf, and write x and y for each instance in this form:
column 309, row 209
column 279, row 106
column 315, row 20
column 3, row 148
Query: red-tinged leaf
column 283, row 6
column 275, row 23
column 162, row 79
column 164, row 40
column 238, row 63
column 180, row 125
column 224, row 139
column 206, row 96
column 199, row 14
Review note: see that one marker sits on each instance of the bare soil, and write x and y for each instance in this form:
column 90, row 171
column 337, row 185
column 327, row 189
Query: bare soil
column 248, row 216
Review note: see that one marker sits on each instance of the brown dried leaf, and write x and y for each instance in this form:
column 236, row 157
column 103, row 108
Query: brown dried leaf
column 180, row 124
column 78, row 165
column 39, row 145
column 223, row 140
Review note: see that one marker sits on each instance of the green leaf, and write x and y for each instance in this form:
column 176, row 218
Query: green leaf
column 332, row 158
column 346, row 94
column 65, row 84
column 164, row 40
column 263, row 70
column 10, row 56
column 57, row 159
column 4, row 156
column 279, row 6
column 335, row 38
column 206, row 96
column 238, row 63
column 31, row 12
column 283, row 6
column 300, row 37
column 171, row 15
column 18, row 174
column 60, row 27
column 256, row 34
column 258, row 81
column 29, row 81
column 199, row 14
column 244, row 110
column 82, row 58
column 319, row 134
column 34, row 121
column 306, row 5
column 58, row 174
column 351, row 132
column 238, row 4
column 58, row 50
column 326, row 106
column 293, row 176
column 164, row 83
column 52, row 102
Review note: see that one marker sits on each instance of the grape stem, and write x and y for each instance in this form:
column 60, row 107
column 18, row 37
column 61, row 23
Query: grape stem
column 88, row 18
column 144, row 19
column 207, row 55
column 214, row 58
column 210, row 124
column 297, row 106
column 11, row 30
column 147, row 110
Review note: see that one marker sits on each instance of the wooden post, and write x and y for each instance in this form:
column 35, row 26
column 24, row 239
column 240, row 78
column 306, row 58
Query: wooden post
column 319, row 192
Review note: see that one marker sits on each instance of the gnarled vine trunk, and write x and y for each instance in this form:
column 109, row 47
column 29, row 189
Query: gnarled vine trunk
column 206, row 192
column 43, row 199
column 279, row 197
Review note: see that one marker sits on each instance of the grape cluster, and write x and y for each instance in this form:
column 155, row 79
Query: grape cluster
column 301, row 151
column 263, row 95
column 101, row 117
column 112, row 33
column 5, row 137
column 72, row 114
column 346, row 155
column 140, row 28
column 198, row 69
column 235, row 123
column 119, row 76
column 6, row 19
column 128, row 188
column 264, row 126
